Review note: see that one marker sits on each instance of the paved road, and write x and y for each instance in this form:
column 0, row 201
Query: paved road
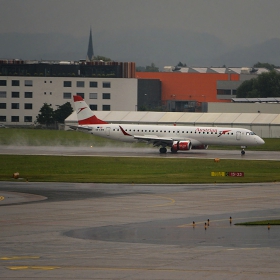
column 136, row 152
column 100, row 231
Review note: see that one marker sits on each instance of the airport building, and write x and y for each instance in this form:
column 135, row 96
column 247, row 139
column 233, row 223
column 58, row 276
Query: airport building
column 111, row 86
column 118, row 91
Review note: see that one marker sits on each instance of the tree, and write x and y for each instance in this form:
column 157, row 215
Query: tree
column 152, row 68
column 49, row 117
column 104, row 58
column 180, row 64
column 265, row 85
column 265, row 65
column 46, row 115
column 62, row 112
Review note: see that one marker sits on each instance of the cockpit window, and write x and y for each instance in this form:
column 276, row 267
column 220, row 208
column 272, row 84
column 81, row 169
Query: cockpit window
column 250, row 133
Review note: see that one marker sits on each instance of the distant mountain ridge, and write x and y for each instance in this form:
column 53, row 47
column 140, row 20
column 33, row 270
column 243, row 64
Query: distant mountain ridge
column 162, row 47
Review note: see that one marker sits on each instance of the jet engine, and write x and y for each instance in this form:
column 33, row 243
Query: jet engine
column 181, row 145
column 200, row 147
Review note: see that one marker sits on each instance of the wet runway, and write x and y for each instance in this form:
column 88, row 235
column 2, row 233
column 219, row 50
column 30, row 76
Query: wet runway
column 116, row 231
column 137, row 152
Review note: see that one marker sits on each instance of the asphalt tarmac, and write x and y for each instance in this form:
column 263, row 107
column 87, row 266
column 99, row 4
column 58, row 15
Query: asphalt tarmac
column 137, row 152
column 117, row 231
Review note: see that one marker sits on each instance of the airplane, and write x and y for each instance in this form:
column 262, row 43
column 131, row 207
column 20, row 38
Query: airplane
column 178, row 138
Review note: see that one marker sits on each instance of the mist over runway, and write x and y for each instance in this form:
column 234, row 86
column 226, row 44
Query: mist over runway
column 129, row 151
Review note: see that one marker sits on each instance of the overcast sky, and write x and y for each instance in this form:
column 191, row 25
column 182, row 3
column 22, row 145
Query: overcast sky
column 234, row 22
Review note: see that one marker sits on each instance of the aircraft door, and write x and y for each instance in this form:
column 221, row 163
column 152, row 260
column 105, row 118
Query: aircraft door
column 238, row 135
column 108, row 131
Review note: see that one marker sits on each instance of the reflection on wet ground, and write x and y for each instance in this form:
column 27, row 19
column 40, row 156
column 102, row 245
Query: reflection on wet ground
column 217, row 232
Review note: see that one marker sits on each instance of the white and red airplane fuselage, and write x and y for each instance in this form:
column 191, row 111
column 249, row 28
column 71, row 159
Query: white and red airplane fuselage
column 175, row 137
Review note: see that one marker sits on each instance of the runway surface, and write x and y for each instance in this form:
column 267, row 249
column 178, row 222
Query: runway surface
column 98, row 231
column 136, row 152
column 126, row 231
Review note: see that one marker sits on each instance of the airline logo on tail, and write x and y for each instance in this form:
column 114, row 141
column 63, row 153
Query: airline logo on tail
column 84, row 113
column 81, row 110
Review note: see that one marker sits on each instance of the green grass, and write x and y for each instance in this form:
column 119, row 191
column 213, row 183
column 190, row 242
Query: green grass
column 260, row 223
column 122, row 170
column 134, row 170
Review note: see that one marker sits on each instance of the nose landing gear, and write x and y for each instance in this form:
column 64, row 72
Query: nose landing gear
column 243, row 150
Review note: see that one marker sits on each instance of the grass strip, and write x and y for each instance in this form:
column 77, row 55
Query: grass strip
column 260, row 223
column 134, row 170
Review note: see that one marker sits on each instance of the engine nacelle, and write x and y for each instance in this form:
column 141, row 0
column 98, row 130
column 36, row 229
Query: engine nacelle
column 181, row 145
column 200, row 147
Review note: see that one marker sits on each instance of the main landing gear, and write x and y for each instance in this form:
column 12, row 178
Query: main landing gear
column 163, row 150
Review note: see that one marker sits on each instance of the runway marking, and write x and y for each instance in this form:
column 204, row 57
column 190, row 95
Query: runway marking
column 172, row 201
column 19, row 258
column 33, row 267
column 2, row 198
column 145, row 269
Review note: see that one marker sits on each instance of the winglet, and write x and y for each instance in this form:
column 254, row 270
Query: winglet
column 84, row 113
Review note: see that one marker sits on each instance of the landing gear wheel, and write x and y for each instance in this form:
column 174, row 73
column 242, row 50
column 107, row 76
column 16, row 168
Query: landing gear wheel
column 173, row 151
column 243, row 152
column 162, row 150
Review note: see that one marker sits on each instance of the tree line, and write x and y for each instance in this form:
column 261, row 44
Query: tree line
column 264, row 85
column 49, row 117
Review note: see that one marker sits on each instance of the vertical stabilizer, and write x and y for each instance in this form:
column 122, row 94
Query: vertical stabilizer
column 84, row 113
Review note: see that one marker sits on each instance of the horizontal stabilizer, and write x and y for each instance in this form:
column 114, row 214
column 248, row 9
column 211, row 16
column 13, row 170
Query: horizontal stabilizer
column 80, row 128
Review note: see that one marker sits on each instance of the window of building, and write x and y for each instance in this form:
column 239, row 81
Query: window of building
column 27, row 118
column 15, row 83
column 15, row 94
column 80, row 84
column 28, row 106
column 15, row 118
column 28, row 94
column 3, row 94
column 3, row 118
column 93, row 95
column 223, row 92
column 28, row 83
column 93, row 107
column 106, row 84
column 106, row 95
column 3, row 83
column 67, row 84
column 81, row 94
column 67, row 95
column 15, row 106
column 3, row 106
column 106, row 107
column 93, row 84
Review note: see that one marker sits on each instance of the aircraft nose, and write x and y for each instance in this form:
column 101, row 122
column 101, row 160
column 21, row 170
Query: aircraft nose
column 260, row 141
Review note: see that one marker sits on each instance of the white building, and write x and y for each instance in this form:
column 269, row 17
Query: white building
column 21, row 98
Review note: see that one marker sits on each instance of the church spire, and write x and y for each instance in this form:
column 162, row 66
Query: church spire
column 90, row 54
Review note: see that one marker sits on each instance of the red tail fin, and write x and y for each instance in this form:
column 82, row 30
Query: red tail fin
column 84, row 113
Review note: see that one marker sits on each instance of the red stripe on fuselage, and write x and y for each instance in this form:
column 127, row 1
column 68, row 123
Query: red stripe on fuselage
column 124, row 132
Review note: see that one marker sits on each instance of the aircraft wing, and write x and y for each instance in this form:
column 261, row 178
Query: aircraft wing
column 155, row 140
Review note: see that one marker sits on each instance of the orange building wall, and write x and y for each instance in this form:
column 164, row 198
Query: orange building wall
column 201, row 87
